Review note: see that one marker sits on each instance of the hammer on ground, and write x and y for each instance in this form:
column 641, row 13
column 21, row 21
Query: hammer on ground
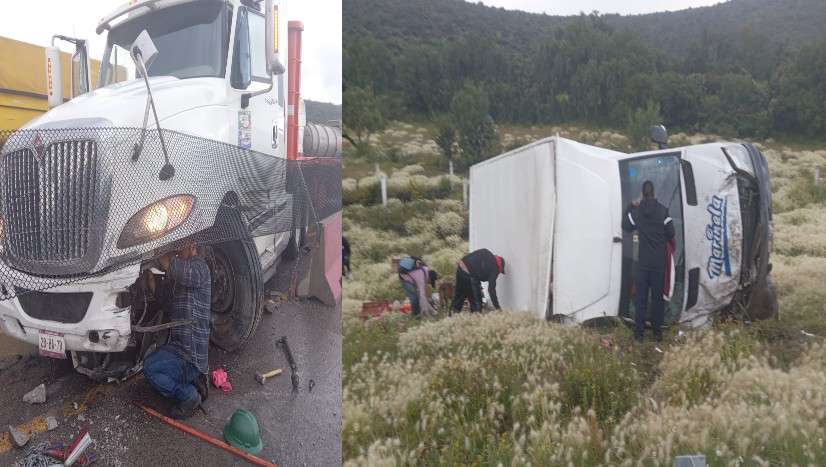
column 263, row 377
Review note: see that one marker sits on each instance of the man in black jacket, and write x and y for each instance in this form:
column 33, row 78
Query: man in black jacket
column 655, row 229
column 477, row 267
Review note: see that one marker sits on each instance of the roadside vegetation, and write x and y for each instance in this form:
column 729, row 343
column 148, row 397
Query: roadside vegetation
column 506, row 389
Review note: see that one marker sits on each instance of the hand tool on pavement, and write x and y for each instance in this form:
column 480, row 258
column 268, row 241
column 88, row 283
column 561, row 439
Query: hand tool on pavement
column 261, row 377
column 285, row 346
column 205, row 437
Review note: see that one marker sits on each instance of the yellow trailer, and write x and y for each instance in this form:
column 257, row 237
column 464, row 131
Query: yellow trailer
column 23, row 81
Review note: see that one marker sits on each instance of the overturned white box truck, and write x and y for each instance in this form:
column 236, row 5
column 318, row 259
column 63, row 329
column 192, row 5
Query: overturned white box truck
column 201, row 142
column 553, row 209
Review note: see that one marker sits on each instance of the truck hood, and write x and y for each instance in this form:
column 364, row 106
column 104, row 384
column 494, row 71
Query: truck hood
column 123, row 104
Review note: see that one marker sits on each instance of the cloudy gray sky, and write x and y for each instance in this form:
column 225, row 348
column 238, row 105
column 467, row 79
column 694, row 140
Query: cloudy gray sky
column 37, row 21
column 573, row 7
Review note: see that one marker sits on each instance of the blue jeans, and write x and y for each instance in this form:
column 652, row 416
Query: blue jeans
column 649, row 281
column 169, row 374
column 413, row 295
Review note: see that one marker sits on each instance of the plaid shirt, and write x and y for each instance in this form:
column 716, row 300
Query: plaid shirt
column 191, row 299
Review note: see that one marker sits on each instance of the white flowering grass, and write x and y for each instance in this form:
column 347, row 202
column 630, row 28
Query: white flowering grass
column 507, row 389
column 485, row 389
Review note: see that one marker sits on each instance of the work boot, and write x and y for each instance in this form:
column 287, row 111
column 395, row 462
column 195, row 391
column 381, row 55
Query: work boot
column 202, row 385
column 185, row 409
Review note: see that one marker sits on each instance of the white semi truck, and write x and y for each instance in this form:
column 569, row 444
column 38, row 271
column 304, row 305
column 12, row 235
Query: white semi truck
column 213, row 69
column 553, row 209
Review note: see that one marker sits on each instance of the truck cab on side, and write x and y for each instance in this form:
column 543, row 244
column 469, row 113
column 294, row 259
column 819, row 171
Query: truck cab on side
column 218, row 80
column 554, row 210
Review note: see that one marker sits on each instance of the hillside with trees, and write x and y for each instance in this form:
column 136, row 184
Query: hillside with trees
column 322, row 112
column 744, row 68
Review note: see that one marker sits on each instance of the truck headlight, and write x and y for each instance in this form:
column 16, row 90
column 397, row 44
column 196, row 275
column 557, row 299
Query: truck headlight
column 156, row 220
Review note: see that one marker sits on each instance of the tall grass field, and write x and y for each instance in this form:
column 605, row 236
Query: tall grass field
column 503, row 388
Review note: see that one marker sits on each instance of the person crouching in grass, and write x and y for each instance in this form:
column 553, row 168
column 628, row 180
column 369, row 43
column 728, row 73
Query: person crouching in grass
column 414, row 276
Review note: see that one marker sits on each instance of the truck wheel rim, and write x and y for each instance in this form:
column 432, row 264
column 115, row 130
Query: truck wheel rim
column 223, row 285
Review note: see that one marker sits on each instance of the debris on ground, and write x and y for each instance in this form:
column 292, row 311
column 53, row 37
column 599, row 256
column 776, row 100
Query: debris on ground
column 81, row 417
column 285, row 346
column 51, row 423
column 807, row 334
column 311, row 385
column 45, row 454
column 248, row 435
column 74, row 452
column 220, row 380
column 18, row 438
column 36, row 395
column 271, row 306
column 35, row 457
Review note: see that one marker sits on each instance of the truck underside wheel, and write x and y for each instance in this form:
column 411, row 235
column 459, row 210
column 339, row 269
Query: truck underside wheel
column 237, row 291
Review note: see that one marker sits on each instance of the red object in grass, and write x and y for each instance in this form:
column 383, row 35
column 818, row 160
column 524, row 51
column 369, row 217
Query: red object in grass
column 406, row 308
column 374, row 309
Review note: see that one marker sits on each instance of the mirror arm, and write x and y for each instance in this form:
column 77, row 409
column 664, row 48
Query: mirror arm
column 245, row 98
column 167, row 171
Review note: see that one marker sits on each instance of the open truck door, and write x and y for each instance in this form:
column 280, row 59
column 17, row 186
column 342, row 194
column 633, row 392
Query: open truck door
column 587, row 247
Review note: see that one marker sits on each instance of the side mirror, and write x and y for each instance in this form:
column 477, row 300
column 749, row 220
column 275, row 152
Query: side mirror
column 273, row 31
column 54, row 77
column 143, row 50
column 659, row 135
column 81, row 80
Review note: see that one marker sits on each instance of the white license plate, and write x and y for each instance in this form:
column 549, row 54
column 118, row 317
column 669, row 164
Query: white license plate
column 52, row 344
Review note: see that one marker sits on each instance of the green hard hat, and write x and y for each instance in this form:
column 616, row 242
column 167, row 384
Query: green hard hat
column 242, row 432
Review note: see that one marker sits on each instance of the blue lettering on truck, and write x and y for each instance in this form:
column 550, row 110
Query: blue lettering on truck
column 717, row 234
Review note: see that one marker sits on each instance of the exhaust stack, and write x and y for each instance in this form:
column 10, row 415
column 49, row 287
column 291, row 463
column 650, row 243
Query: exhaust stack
column 294, row 30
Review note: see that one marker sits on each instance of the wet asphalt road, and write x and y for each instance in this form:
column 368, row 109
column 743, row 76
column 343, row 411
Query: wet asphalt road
column 300, row 428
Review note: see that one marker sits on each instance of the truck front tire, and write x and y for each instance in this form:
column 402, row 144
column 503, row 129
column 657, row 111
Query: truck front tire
column 237, row 291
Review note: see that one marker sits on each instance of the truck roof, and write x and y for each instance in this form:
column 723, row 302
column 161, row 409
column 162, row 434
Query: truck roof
column 135, row 8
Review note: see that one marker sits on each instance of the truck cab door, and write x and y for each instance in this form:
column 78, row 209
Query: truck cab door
column 260, row 123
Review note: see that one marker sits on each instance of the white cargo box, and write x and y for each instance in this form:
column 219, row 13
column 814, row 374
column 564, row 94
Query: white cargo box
column 551, row 210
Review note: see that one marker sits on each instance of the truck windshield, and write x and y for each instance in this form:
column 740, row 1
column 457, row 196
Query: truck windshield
column 192, row 41
column 664, row 171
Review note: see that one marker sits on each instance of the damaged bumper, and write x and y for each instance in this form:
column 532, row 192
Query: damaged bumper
column 84, row 312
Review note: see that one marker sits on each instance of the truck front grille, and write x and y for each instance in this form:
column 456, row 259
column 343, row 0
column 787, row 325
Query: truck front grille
column 49, row 201
column 60, row 307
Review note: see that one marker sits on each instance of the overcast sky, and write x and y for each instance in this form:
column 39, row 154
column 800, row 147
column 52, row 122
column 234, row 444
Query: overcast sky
column 37, row 21
column 573, row 7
